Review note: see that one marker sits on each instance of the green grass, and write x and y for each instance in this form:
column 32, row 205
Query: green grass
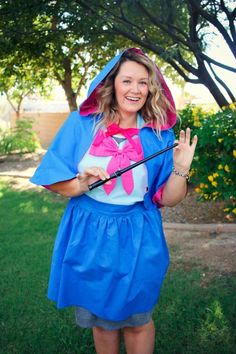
column 190, row 318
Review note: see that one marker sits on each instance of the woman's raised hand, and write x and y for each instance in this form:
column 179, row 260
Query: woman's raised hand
column 184, row 152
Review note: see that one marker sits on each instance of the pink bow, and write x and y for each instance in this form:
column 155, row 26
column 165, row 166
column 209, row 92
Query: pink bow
column 104, row 145
column 115, row 129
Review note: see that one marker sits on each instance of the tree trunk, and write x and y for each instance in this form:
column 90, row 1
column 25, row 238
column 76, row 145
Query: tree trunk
column 18, row 109
column 17, row 115
column 71, row 98
column 66, row 83
column 207, row 80
column 70, row 94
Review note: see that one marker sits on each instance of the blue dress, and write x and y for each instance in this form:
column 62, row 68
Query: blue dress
column 109, row 259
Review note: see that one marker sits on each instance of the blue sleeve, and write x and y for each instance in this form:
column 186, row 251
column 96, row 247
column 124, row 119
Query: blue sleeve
column 165, row 169
column 60, row 163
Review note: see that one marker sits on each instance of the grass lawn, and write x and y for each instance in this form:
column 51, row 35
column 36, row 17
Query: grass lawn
column 190, row 318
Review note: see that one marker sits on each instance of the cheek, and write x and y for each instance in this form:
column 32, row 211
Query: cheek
column 119, row 90
column 145, row 93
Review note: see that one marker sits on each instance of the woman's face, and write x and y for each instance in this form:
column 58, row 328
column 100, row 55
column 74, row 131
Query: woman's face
column 131, row 88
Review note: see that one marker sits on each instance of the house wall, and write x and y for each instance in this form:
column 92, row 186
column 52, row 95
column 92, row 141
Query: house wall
column 46, row 125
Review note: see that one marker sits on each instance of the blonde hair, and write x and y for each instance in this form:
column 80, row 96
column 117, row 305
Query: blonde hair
column 156, row 106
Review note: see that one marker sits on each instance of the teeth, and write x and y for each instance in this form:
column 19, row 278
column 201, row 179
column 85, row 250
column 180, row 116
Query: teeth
column 133, row 98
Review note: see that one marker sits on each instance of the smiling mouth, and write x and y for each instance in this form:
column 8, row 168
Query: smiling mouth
column 133, row 99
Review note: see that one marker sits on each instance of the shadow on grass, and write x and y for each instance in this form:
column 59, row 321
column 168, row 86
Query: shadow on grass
column 189, row 318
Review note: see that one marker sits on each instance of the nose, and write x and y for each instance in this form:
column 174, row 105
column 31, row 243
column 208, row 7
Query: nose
column 135, row 87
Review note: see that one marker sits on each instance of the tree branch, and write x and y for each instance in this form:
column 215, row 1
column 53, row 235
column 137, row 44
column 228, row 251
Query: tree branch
column 10, row 101
column 154, row 47
column 157, row 23
column 224, row 8
column 158, row 50
column 178, row 57
column 59, row 78
column 81, row 82
column 123, row 19
column 19, row 103
column 196, row 5
column 182, row 73
column 221, row 82
column 185, row 64
column 26, row 94
column 231, row 18
column 223, row 66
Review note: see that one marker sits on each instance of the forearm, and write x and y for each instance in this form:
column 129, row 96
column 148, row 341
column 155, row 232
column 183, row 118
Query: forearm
column 69, row 188
column 77, row 186
column 175, row 190
column 176, row 187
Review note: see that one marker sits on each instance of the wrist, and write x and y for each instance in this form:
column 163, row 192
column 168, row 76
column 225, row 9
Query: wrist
column 181, row 173
column 82, row 186
column 181, row 168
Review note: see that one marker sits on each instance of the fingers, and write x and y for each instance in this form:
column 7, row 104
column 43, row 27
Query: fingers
column 187, row 136
column 194, row 141
column 184, row 137
column 97, row 172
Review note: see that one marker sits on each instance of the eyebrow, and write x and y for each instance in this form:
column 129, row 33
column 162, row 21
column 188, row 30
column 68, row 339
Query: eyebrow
column 130, row 77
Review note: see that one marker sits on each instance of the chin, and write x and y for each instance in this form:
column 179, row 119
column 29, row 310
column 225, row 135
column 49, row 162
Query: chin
column 131, row 109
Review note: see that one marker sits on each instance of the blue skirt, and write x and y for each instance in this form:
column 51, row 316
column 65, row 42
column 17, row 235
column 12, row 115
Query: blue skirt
column 108, row 259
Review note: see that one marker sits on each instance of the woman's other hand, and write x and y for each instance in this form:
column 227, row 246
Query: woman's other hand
column 176, row 188
column 184, row 152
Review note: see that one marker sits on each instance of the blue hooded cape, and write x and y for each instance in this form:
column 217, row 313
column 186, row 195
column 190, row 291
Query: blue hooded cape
column 91, row 268
column 76, row 135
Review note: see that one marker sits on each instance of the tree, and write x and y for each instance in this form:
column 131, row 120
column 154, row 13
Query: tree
column 18, row 82
column 70, row 48
column 178, row 32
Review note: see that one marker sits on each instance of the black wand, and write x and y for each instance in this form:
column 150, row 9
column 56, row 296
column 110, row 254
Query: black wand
column 120, row 172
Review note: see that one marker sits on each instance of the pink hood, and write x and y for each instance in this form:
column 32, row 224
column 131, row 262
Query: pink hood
column 89, row 106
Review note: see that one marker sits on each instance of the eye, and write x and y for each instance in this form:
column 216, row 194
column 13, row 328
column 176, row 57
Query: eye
column 144, row 83
column 127, row 81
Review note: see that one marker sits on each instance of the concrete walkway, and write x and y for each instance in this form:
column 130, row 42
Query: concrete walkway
column 211, row 228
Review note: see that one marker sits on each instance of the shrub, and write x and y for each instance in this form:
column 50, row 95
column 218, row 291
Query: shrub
column 191, row 116
column 213, row 168
column 19, row 139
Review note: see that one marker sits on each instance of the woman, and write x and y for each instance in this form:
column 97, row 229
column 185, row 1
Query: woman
column 110, row 256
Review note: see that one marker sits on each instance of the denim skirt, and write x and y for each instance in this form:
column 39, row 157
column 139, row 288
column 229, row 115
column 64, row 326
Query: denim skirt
column 86, row 319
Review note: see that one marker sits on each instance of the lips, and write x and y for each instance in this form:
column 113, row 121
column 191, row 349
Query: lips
column 133, row 99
